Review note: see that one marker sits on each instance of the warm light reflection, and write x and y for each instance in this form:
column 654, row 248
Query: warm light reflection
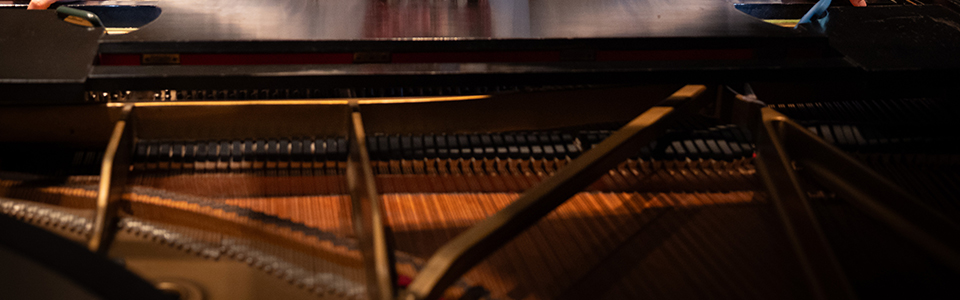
column 302, row 102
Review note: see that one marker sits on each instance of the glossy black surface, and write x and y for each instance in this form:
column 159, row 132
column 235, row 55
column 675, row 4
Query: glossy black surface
column 43, row 58
column 464, row 74
column 364, row 24
column 375, row 19
column 874, row 38
column 898, row 37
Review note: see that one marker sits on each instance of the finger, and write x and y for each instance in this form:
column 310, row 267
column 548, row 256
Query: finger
column 40, row 4
column 858, row 3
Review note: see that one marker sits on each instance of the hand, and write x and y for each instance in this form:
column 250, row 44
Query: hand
column 858, row 3
column 40, row 4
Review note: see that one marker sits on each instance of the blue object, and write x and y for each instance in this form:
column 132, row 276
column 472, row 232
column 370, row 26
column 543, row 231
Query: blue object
column 818, row 11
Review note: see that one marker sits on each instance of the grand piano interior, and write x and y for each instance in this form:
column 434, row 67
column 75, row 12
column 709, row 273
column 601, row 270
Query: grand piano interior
column 480, row 149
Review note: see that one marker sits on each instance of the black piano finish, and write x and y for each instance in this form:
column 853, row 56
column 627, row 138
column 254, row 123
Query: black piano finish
column 238, row 26
column 868, row 51
column 43, row 59
column 108, row 78
column 884, row 37
column 890, row 38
